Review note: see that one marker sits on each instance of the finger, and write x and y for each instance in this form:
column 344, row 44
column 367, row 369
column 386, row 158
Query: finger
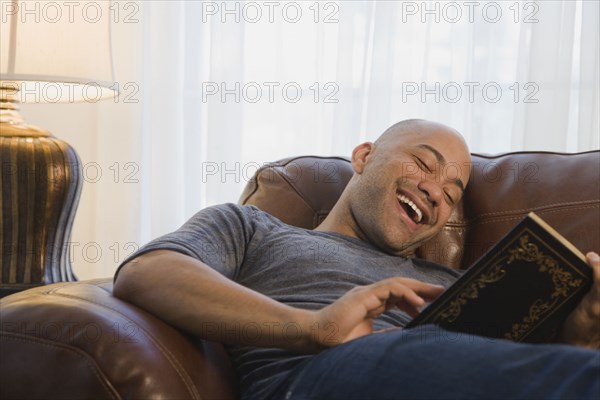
column 431, row 292
column 427, row 291
column 388, row 294
column 376, row 312
column 593, row 258
column 404, row 294
column 593, row 296
column 391, row 329
column 594, row 261
column 405, row 303
column 410, row 309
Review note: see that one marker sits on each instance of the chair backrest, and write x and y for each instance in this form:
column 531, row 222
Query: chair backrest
column 564, row 189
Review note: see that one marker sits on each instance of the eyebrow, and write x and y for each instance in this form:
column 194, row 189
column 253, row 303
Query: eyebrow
column 442, row 160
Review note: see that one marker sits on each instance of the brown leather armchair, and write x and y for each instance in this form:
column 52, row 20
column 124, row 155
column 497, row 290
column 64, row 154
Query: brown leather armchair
column 75, row 340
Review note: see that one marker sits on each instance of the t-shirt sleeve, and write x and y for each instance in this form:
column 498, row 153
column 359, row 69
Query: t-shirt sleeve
column 218, row 236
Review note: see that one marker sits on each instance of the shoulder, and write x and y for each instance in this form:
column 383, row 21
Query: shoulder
column 230, row 213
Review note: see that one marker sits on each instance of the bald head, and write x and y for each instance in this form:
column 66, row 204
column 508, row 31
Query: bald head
column 414, row 128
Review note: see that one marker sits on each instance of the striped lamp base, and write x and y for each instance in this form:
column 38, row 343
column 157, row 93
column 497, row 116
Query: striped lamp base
column 40, row 186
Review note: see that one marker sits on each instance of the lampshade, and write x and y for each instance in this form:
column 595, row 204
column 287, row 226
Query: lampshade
column 56, row 51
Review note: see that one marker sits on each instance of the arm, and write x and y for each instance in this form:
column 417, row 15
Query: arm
column 193, row 297
column 582, row 327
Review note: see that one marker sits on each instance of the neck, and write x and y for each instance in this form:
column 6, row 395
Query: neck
column 341, row 220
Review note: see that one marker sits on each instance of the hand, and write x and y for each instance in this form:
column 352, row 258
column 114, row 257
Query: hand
column 582, row 327
column 351, row 316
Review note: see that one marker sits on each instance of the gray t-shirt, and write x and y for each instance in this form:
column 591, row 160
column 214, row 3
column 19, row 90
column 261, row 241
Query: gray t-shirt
column 299, row 267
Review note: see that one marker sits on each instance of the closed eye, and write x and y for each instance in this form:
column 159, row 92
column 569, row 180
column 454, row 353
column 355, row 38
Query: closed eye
column 422, row 165
column 450, row 199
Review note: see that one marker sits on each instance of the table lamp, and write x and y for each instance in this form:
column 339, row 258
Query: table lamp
column 48, row 53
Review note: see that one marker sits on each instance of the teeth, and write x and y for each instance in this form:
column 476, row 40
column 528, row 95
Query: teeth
column 412, row 205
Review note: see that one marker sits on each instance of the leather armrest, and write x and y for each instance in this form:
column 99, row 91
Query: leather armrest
column 75, row 340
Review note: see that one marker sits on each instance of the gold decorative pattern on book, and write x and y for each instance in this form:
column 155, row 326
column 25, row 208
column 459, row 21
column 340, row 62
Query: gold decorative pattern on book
column 561, row 279
column 453, row 310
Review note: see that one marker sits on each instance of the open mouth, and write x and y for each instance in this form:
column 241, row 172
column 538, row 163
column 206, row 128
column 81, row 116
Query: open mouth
column 411, row 208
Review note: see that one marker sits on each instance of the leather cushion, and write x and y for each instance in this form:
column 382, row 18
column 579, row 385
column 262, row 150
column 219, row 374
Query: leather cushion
column 68, row 340
column 564, row 189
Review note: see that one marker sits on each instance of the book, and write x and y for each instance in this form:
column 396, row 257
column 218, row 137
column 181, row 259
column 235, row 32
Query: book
column 522, row 289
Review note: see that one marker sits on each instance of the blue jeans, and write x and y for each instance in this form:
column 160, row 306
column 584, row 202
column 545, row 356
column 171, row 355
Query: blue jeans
column 430, row 363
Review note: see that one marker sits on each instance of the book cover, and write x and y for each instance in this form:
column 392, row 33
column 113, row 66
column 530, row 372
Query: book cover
column 522, row 289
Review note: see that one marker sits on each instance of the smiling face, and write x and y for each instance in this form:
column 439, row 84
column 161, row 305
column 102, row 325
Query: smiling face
column 405, row 186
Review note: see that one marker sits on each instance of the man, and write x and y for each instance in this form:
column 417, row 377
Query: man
column 228, row 275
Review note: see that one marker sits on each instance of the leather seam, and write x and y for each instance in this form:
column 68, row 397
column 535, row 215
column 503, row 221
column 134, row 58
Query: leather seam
column 293, row 187
column 528, row 152
column 161, row 347
column 589, row 203
column 515, row 214
column 80, row 353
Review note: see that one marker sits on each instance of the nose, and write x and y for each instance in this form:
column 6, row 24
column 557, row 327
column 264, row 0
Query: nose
column 432, row 190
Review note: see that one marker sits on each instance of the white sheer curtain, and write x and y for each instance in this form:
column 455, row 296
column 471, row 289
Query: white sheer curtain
column 509, row 75
column 218, row 99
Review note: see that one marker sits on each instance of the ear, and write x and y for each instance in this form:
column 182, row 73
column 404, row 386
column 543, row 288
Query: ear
column 360, row 156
